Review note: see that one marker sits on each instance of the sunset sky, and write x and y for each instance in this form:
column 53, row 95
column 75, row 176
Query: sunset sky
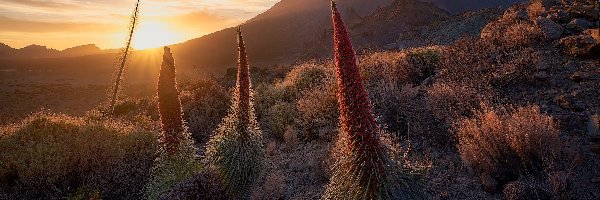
column 62, row 24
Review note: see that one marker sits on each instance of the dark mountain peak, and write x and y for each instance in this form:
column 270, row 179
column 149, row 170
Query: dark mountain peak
column 82, row 50
column 459, row 6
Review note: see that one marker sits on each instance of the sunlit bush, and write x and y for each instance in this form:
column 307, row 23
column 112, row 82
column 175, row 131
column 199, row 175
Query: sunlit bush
column 507, row 144
column 172, row 167
column 280, row 116
column 318, row 112
column 203, row 111
column 50, row 156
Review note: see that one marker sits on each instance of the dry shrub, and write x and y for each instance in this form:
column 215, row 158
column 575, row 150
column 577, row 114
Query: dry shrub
column 513, row 29
column 273, row 188
column 174, row 164
column 49, row 156
column 271, row 148
column 291, row 139
column 319, row 112
column 306, row 76
column 386, row 66
column 280, row 116
column 203, row 185
column 506, row 144
column 411, row 66
column 486, row 67
column 206, row 106
column 450, row 101
column 522, row 34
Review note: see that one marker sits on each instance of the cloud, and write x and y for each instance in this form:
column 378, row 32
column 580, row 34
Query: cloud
column 17, row 25
column 43, row 4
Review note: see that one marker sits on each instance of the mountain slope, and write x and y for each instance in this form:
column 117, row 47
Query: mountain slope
column 458, row 6
column 280, row 33
column 89, row 49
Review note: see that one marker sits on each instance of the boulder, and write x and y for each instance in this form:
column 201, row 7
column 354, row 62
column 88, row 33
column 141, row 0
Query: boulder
column 550, row 29
column 579, row 24
column 579, row 45
column 559, row 16
column 488, row 183
column 593, row 126
column 584, row 76
column 584, row 11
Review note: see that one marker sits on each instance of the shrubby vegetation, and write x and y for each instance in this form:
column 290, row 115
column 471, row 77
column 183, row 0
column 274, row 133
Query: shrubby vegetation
column 51, row 156
column 505, row 145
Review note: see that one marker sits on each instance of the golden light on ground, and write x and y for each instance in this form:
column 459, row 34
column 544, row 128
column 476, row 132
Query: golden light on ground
column 154, row 34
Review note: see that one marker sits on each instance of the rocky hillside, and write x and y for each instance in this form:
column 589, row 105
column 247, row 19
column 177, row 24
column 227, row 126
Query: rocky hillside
column 458, row 6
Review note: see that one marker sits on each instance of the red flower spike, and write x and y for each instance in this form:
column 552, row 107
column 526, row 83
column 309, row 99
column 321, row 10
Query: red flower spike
column 243, row 85
column 169, row 104
column 365, row 156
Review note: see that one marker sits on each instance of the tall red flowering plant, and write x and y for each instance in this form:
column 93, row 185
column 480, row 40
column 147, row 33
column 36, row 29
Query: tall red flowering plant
column 363, row 169
column 235, row 151
column 169, row 105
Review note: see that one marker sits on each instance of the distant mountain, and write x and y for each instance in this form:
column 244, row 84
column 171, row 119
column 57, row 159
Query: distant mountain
column 5, row 50
column 38, row 51
column 82, row 50
column 459, row 6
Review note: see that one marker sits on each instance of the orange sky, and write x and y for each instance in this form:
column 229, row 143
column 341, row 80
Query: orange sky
column 62, row 24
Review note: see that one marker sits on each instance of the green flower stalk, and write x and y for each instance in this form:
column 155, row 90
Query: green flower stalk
column 236, row 151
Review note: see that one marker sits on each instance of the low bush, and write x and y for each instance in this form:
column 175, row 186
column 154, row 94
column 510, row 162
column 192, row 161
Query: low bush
column 173, row 167
column 486, row 67
column 280, row 116
column 449, row 102
column 207, row 104
column 203, row 185
column 505, row 144
column 50, row 156
column 318, row 112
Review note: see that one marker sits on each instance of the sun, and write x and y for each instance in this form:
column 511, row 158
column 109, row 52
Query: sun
column 153, row 34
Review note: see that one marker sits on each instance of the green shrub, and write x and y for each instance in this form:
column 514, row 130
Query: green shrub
column 203, row 111
column 172, row 168
column 280, row 116
column 318, row 112
column 49, row 156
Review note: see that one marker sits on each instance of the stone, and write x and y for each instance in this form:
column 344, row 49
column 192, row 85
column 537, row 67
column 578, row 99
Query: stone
column 488, row 183
column 550, row 29
column 584, row 11
column 542, row 76
column 564, row 101
column 584, row 76
column 593, row 126
column 559, row 16
column 595, row 148
column 579, row 45
column 579, row 24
